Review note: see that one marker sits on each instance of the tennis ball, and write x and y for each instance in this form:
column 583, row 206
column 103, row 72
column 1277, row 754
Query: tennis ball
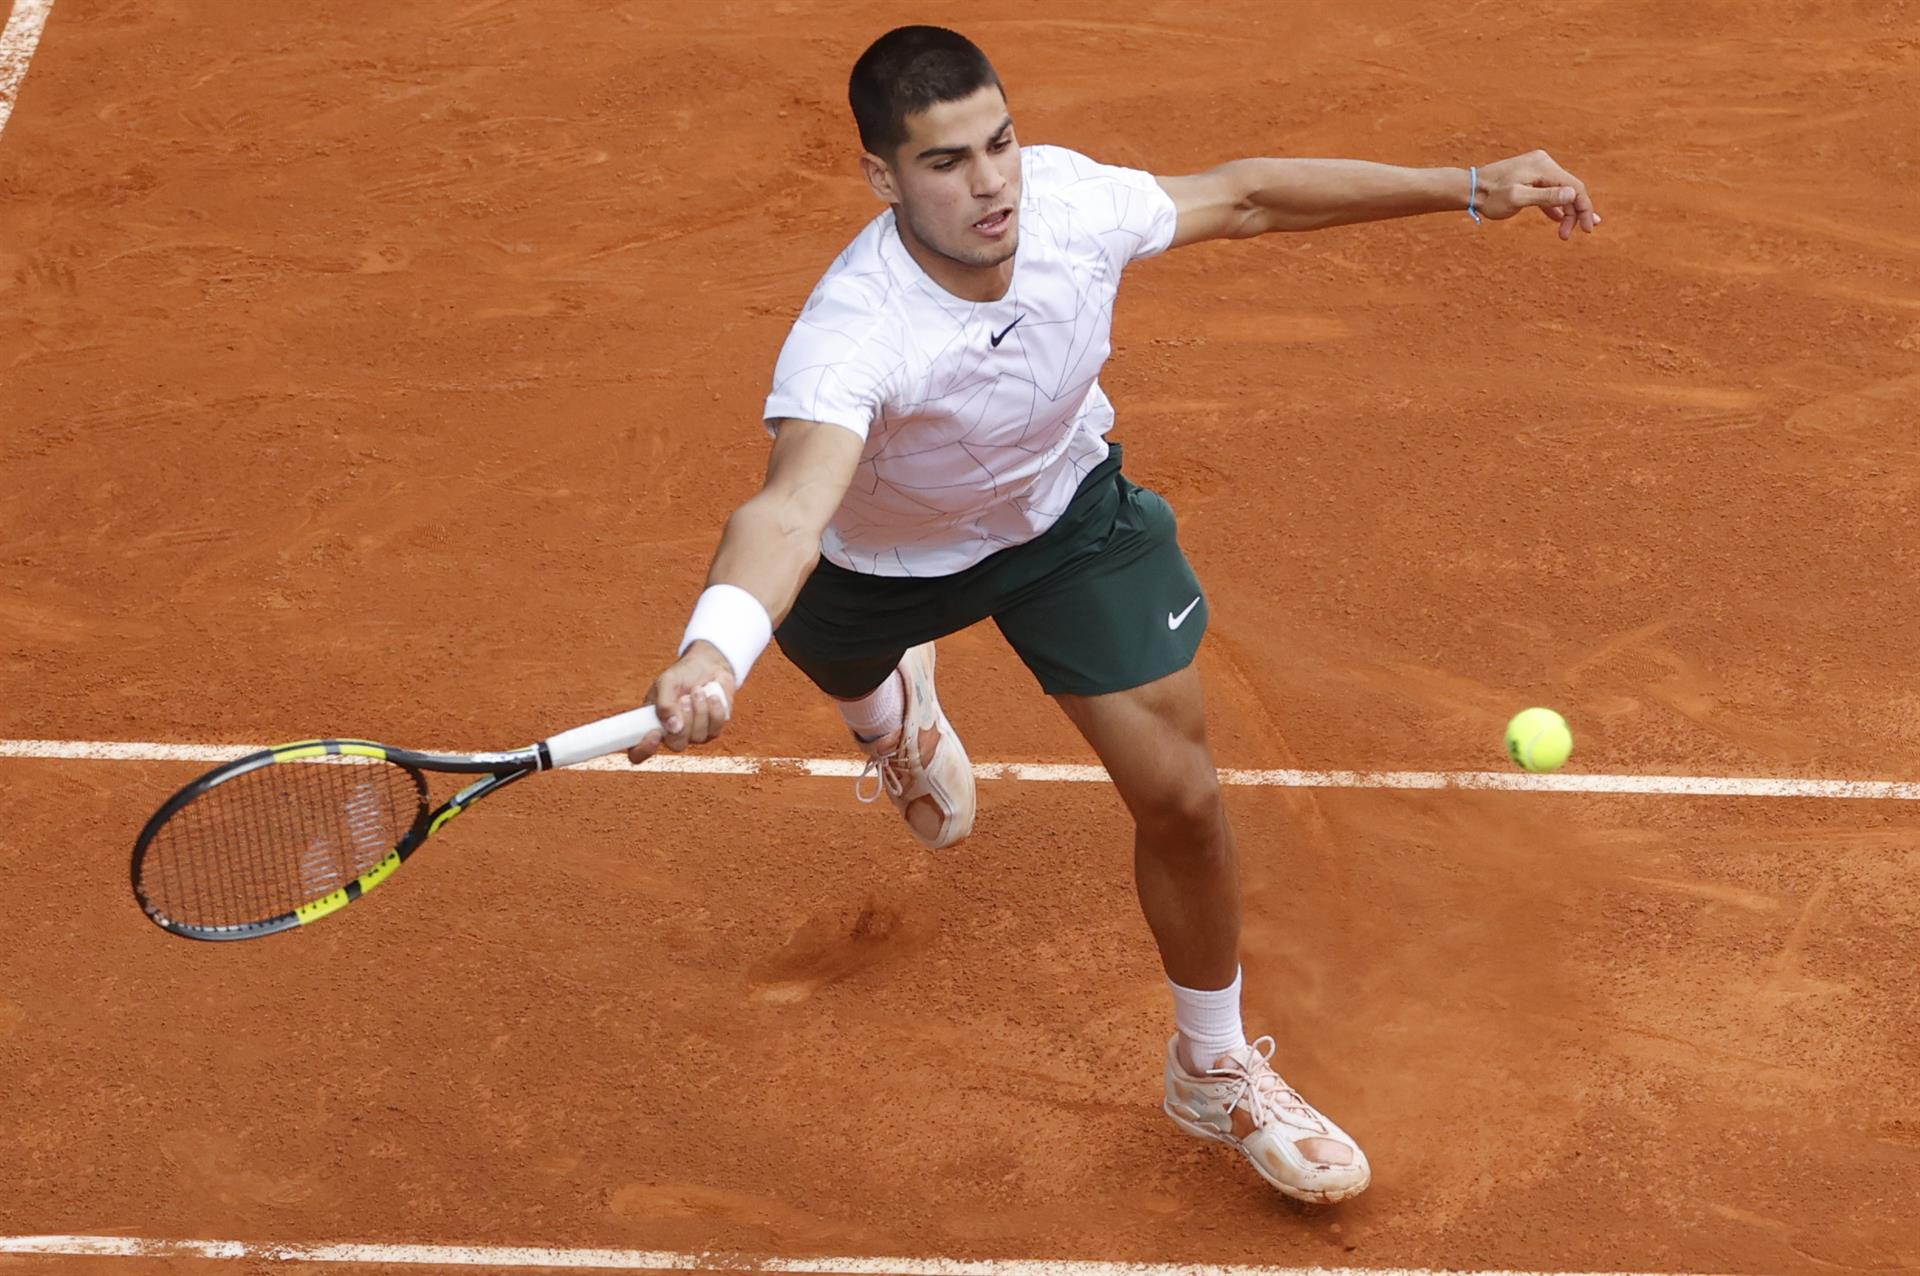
column 1538, row 740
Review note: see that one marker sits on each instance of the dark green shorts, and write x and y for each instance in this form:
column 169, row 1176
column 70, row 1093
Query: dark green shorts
column 1101, row 601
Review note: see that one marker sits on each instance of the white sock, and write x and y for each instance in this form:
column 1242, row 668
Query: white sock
column 1208, row 1021
column 880, row 712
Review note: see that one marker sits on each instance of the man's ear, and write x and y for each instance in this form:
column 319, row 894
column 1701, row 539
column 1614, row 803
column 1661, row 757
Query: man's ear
column 879, row 177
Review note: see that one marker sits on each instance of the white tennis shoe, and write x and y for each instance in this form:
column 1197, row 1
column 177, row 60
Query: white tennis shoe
column 922, row 768
column 1241, row 1101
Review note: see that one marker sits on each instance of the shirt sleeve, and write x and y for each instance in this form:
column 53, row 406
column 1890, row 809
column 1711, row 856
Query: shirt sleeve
column 837, row 363
column 1125, row 209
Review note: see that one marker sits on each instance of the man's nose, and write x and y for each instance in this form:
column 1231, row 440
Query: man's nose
column 988, row 180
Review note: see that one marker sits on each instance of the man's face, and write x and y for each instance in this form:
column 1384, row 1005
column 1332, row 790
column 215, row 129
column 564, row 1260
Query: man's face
column 957, row 179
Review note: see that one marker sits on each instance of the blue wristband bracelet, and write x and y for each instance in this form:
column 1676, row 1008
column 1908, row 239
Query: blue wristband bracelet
column 1473, row 195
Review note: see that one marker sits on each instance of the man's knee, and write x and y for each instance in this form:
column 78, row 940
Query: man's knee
column 1185, row 812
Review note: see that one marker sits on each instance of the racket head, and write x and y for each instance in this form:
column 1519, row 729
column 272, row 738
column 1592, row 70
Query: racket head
column 279, row 838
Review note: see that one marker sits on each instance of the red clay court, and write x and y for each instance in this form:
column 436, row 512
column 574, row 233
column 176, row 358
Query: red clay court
column 388, row 369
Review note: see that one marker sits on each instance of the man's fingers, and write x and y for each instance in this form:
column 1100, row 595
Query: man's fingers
column 703, row 714
column 692, row 720
column 719, row 710
column 674, row 713
column 1567, row 207
column 650, row 744
column 1539, row 196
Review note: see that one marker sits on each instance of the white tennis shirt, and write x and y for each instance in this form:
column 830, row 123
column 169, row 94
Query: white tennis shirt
column 972, row 444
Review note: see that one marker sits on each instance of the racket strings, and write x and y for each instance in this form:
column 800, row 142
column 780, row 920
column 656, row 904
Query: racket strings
column 268, row 841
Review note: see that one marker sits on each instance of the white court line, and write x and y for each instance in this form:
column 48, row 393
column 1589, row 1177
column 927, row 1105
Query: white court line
column 1074, row 773
column 17, row 43
column 639, row 1260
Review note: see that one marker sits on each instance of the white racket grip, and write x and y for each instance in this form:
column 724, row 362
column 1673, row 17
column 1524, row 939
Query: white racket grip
column 609, row 735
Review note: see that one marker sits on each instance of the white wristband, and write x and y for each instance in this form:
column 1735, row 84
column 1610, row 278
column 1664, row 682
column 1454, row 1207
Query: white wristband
column 734, row 621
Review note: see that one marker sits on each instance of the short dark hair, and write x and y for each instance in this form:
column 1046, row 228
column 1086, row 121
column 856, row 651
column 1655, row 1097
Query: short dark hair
column 906, row 71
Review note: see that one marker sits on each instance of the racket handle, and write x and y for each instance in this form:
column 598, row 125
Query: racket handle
column 609, row 735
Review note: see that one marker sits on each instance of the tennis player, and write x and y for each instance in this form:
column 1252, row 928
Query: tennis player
column 940, row 457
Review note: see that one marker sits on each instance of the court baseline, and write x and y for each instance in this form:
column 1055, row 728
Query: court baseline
column 1072, row 773
column 632, row 1260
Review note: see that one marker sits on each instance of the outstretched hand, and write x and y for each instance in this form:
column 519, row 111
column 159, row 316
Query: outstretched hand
column 1534, row 180
column 695, row 698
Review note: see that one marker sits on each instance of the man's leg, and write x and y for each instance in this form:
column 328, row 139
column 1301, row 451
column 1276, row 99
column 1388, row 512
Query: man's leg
column 1153, row 741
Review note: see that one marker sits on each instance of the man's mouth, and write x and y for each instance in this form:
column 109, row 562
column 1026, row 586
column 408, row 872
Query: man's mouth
column 994, row 221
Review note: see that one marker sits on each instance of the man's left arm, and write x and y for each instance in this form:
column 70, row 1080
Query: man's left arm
column 1249, row 197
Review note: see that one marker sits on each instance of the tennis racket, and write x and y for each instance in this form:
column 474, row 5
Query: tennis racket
column 283, row 837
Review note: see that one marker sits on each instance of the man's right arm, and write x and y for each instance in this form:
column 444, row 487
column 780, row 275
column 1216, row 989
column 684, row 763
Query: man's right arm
column 768, row 549
column 772, row 542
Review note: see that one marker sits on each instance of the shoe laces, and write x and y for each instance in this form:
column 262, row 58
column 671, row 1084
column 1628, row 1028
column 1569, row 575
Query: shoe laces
column 1251, row 1080
column 886, row 770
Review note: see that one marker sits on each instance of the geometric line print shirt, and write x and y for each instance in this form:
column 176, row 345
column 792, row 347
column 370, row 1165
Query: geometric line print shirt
column 969, row 447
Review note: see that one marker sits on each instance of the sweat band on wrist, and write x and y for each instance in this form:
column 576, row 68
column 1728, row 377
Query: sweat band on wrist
column 1473, row 195
column 734, row 621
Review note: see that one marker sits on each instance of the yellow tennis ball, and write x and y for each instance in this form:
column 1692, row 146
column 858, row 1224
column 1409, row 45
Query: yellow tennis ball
column 1538, row 740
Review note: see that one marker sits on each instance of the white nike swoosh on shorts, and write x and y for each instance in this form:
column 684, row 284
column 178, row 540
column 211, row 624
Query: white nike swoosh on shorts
column 1174, row 622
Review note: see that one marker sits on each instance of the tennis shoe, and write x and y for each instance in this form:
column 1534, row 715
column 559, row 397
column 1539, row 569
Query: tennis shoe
column 922, row 767
column 1241, row 1101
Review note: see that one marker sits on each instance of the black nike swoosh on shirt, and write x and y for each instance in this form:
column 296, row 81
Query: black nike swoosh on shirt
column 1001, row 335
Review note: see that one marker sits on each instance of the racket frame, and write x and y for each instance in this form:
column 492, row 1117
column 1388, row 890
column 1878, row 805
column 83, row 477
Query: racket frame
column 497, row 770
